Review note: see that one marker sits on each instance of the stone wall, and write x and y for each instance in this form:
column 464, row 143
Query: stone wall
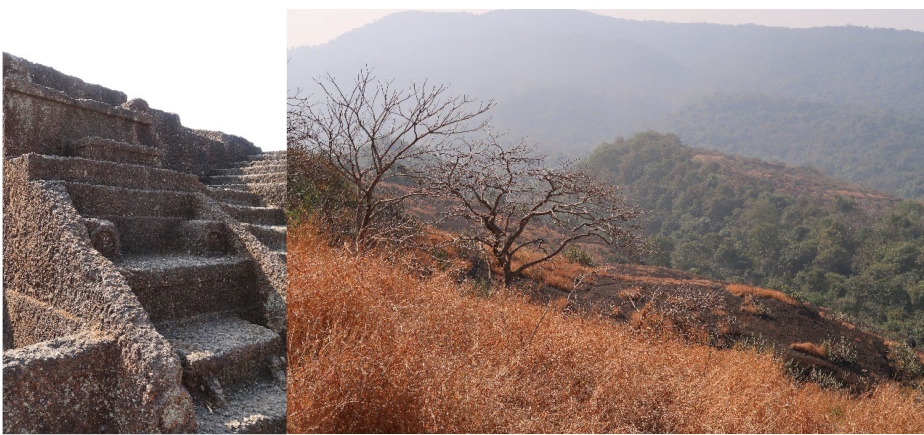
column 75, row 280
column 46, row 111
column 28, row 321
column 69, row 376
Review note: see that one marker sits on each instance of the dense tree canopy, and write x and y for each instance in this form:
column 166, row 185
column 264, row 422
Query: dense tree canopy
column 862, row 257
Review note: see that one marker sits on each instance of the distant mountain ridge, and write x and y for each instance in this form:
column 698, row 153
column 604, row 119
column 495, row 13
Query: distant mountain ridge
column 570, row 80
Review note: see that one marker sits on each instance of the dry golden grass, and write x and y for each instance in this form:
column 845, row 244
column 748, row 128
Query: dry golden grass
column 375, row 349
column 740, row 290
column 557, row 272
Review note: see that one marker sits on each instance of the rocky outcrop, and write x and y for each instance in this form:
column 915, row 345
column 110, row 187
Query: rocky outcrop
column 136, row 299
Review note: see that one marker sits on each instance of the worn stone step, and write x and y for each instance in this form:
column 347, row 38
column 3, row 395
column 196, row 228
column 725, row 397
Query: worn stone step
column 218, row 180
column 170, row 287
column 268, row 155
column 252, row 170
column 98, row 148
column 235, row 196
column 273, row 236
column 271, row 194
column 145, row 235
column 241, row 187
column 256, row 408
column 256, row 215
column 99, row 200
column 222, row 347
column 281, row 255
column 253, row 164
column 82, row 170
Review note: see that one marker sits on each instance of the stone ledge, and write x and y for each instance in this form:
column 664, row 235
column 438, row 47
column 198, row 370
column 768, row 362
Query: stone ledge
column 39, row 91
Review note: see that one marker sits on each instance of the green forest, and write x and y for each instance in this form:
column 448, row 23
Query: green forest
column 857, row 256
column 873, row 147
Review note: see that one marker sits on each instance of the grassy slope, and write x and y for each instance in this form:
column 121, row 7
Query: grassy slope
column 375, row 349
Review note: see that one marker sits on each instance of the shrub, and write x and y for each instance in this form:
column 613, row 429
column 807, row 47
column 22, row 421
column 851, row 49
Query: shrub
column 840, row 351
column 908, row 365
column 316, row 191
column 579, row 256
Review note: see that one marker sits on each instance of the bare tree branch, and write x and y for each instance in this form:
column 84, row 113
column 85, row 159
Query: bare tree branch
column 370, row 129
column 507, row 192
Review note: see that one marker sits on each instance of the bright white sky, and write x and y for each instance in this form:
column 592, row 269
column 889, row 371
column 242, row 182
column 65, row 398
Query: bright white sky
column 221, row 66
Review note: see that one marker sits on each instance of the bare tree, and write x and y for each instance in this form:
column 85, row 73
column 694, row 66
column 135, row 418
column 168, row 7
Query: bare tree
column 370, row 130
column 514, row 202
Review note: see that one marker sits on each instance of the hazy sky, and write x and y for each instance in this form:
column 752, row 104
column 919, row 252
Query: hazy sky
column 219, row 68
column 313, row 27
column 222, row 67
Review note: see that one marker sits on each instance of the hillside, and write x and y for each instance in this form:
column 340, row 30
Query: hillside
column 847, row 248
column 570, row 80
column 376, row 348
column 847, row 142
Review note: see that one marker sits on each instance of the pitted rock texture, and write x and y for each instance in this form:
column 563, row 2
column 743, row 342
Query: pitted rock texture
column 120, row 266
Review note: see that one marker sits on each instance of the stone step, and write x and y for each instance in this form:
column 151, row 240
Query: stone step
column 257, row 408
column 251, row 170
column 171, row 287
column 235, row 196
column 145, row 235
column 86, row 171
column 97, row 200
column 281, row 255
column 256, row 215
column 271, row 194
column 219, row 180
column 97, row 148
column 268, row 155
column 273, row 236
column 241, row 187
column 252, row 164
column 222, row 347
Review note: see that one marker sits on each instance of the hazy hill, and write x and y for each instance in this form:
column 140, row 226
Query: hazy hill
column 570, row 80
column 875, row 147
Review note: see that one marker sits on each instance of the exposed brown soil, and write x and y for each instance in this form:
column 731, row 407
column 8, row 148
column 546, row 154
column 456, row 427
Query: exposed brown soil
column 724, row 315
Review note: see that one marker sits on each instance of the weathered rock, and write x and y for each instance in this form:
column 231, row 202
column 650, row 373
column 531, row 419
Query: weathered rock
column 129, row 286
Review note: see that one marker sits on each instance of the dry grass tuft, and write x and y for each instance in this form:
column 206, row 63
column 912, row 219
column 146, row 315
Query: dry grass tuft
column 810, row 349
column 373, row 348
column 557, row 272
column 740, row 290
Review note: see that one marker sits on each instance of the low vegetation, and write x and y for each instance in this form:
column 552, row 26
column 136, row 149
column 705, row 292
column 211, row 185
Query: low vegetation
column 376, row 348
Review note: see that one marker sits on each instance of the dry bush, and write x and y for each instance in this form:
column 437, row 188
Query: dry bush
column 741, row 290
column 753, row 306
column 810, row 349
column 373, row 348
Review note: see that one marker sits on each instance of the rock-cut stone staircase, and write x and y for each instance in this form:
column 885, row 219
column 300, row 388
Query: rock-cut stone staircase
column 187, row 269
column 253, row 192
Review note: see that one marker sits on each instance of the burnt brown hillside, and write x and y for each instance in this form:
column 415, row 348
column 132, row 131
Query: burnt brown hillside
column 815, row 342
